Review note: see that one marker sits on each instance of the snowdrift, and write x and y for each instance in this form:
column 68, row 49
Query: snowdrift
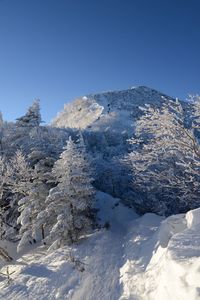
column 136, row 258
column 165, row 265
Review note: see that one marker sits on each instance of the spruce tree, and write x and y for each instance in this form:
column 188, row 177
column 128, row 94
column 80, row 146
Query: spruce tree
column 69, row 203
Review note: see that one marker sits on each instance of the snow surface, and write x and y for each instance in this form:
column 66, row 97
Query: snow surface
column 138, row 258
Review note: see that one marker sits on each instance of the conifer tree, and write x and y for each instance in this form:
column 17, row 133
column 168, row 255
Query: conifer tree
column 33, row 202
column 69, row 203
column 32, row 118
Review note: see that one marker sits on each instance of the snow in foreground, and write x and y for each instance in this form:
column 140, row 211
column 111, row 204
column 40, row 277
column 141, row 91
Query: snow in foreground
column 145, row 258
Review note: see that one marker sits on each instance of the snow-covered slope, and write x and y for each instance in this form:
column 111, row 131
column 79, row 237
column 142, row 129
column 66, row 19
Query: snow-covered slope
column 57, row 275
column 116, row 109
column 137, row 258
column 164, row 265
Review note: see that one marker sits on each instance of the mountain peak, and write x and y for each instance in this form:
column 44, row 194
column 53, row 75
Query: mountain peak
column 108, row 109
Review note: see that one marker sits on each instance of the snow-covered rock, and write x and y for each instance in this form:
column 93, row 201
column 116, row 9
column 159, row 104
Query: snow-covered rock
column 193, row 218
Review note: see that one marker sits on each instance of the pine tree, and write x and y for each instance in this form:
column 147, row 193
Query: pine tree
column 69, row 203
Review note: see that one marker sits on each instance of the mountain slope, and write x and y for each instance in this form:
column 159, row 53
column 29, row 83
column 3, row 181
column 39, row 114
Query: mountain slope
column 116, row 109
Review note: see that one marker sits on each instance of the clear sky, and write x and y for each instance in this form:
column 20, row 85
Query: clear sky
column 57, row 50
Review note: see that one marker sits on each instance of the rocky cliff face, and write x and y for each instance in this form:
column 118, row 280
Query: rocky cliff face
column 116, row 110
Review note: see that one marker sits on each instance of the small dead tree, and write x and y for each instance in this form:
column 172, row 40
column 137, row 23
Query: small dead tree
column 4, row 255
column 7, row 275
column 78, row 264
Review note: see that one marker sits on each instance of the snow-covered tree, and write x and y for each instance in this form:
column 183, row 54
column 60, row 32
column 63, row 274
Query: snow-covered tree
column 1, row 133
column 33, row 201
column 28, row 153
column 32, row 118
column 4, row 175
column 14, row 180
column 166, row 160
column 29, row 208
column 26, row 129
column 22, row 174
column 69, row 203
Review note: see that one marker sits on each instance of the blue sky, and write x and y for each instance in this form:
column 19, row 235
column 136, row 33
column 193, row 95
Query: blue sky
column 57, row 50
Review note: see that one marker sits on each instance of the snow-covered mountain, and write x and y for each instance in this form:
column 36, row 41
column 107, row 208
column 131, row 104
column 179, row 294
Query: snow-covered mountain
column 115, row 110
column 107, row 121
column 122, row 255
